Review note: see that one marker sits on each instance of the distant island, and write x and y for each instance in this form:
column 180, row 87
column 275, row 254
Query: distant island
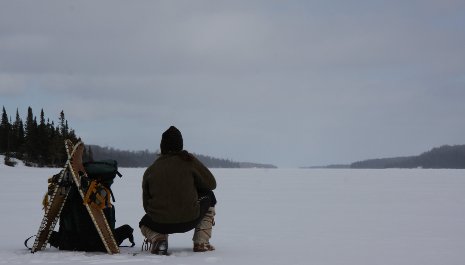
column 146, row 158
column 446, row 156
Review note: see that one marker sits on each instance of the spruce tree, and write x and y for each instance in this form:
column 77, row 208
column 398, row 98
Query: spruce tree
column 63, row 125
column 17, row 136
column 42, row 141
column 30, row 151
column 36, row 142
column 4, row 132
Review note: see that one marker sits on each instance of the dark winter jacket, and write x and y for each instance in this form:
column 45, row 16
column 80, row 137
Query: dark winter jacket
column 170, row 187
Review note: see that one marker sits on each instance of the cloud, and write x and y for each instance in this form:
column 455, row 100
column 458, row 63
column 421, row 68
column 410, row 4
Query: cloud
column 11, row 85
column 291, row 83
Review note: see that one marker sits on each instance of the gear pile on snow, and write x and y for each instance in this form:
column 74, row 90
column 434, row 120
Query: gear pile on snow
column 81, row 201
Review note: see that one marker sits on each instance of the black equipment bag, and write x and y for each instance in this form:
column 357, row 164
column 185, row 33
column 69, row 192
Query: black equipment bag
column 77, row 231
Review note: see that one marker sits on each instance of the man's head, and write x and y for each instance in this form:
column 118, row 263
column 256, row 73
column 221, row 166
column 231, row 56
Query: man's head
column 171, row 141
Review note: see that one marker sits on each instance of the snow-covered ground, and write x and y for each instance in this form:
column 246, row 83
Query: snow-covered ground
column 275, row 216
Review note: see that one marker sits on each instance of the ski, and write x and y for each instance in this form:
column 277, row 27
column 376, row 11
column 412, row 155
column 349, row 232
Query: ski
column 61, row 185
column 81, row 180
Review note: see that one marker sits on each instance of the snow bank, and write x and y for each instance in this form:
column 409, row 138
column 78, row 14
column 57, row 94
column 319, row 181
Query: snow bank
column 19, row 163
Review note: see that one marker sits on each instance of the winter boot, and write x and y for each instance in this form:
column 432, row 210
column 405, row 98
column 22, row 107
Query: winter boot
column 203, row 232
column 203, row 247
column 157, row 243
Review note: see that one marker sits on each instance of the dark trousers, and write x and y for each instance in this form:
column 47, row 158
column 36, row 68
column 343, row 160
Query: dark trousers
column 206, row 200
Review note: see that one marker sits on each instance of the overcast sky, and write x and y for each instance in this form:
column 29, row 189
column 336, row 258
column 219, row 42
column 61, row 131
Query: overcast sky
column 290, row 83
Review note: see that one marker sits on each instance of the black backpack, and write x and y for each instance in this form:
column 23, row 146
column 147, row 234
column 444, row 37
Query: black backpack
column 77, row 231
column 104, row 171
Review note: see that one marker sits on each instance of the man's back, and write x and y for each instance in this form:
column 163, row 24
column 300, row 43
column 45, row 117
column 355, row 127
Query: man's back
column 170, row 194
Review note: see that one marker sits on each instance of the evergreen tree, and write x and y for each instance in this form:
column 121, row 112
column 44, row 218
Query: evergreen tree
column 29, row 127
column 39, row 143
column 63, row 125
column 42, row 143
column 17, row 136
column 31, row 139
column 56, row 147
column 4, row 133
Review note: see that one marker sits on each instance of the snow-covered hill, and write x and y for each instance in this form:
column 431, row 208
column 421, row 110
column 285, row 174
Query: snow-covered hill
column 275, row 216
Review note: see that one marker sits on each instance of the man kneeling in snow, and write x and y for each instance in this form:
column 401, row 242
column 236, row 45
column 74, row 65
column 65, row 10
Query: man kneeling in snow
column 177, row 197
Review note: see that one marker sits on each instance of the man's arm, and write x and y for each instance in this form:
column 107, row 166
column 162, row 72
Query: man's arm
column 204, row 179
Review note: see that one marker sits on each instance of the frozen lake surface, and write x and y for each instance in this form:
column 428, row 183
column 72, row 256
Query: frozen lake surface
column 274, row 216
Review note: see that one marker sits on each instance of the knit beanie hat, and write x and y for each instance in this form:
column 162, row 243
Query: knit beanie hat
column 171, row 141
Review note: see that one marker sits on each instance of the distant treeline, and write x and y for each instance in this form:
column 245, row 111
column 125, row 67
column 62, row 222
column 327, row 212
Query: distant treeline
column 441, row 157
column 41, row 143
column 124, row 158
column 37, row 143
column 146, row 158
